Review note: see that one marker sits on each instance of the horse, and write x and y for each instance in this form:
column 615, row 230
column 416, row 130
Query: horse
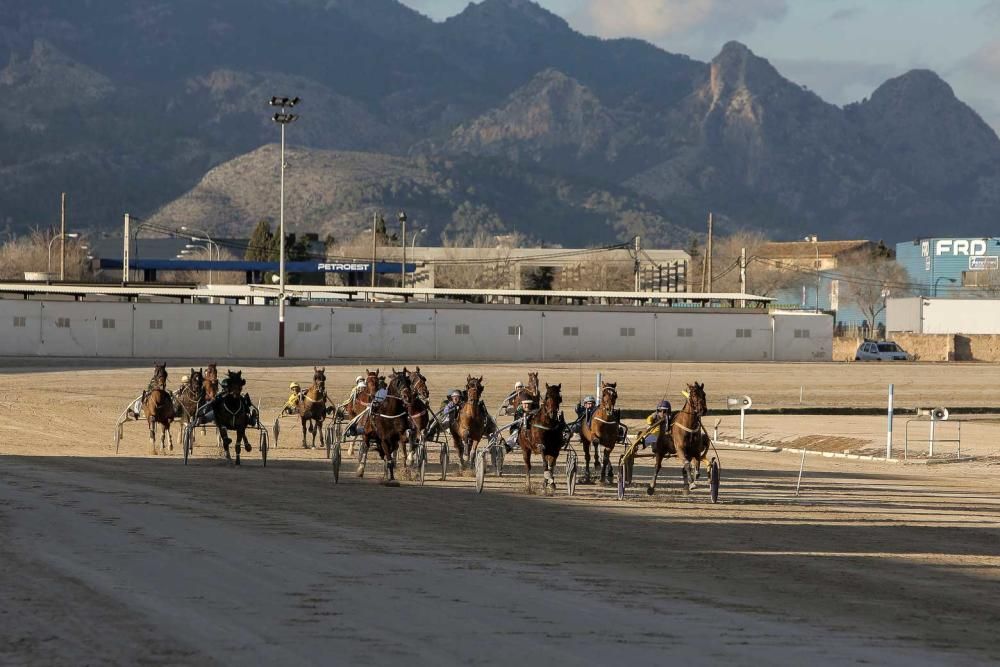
column 470, row 425
column 158, row 408
column 191, row 395
column 211, row 382
column 542, row 435
column 418, row 408
column 232, row 412
column 686, row 436
column 389, row 425
column 312, row 408
column 602, row 430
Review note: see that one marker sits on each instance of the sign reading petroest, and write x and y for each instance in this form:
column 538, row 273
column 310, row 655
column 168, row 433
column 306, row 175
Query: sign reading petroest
column 338, row 266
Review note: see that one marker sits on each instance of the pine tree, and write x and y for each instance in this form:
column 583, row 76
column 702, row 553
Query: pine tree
column 263, row 244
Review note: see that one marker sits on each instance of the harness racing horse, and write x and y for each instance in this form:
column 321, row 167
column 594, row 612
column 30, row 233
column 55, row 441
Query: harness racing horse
column 158, row 408
column 603, row 430
column 543, row 435
column 312, row 408
column 211, row 382
column 232, row 412
column 389, row 425
column 191, row 395
column 686, row 437
column 418, row 408
column 470, row 425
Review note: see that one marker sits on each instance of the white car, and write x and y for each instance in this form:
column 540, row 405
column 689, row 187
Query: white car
column 880, row 351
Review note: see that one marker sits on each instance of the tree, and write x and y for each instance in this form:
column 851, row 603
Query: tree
column 264, row 246
column 765, row 277
column 868, row 278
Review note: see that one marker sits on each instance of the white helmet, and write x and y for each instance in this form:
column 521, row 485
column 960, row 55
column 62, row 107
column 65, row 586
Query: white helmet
column 518, row 385
column 359, row 379
column 185, row 379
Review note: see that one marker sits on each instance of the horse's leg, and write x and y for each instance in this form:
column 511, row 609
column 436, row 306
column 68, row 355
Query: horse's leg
column 607, row 464
column 304, row 420
column 224, row 434
column 586, row 457
column 364, row 455
column 651, row 489
column 550, row 468
column 526, row 453
column 170, row 438
column 152, row 435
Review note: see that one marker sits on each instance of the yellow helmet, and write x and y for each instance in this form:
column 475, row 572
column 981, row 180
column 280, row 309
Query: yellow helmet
column 294, row 385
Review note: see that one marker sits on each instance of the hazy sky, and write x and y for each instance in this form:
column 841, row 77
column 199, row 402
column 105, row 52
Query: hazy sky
column 842, row 49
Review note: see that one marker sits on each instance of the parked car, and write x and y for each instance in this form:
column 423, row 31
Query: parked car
column 881, row 350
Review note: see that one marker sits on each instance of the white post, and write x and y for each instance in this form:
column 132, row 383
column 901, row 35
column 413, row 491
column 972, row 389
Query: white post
column 281, row 254
column 933, row 420
column 597, row 389
column 802, row 465
column 743, row 418
column 888, row 437
column 125, row 258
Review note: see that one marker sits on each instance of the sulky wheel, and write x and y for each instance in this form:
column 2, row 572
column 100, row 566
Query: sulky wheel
column 444, row 462
column 264, row 445
column 335, row 460
column 621, row 482
column 186, row 443
column 571, row 472
column 422, row 462
column 714, row 479
column 480, row 470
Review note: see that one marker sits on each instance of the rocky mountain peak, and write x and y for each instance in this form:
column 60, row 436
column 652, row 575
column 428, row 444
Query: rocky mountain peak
column 738, row 68
column 498, row 13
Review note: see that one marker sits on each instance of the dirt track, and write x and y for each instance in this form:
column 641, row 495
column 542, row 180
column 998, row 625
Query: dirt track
column 126, row 559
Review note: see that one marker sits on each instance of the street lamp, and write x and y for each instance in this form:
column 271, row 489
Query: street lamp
column 71, row 235
column 413, row 245
column 207, row 239
column 951, row 280
column 191, row 246
column 282, row 118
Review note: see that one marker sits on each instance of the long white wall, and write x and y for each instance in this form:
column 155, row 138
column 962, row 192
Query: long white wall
column 943, row 316
column 411, row 333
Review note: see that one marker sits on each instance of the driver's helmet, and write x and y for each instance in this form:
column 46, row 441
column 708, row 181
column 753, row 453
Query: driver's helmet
column 224, row 383
column 185, row 379
column 359, row 380
column 518, row 385
column 526, row 402
column 589, row 399
column 454, row 393
column 293, row 386
column 663, row 406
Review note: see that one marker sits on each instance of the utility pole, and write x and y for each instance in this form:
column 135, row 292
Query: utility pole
column 638, row 265
column 708, row 254
column 743, row 275
column 125, row 249
column 282, row 118
column 402, row 270
column 375, row 217
column 62, row 234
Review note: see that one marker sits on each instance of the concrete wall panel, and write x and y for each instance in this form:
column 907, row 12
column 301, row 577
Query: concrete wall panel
column 20, row 327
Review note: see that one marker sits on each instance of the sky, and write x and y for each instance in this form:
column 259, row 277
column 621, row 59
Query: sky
column 841, row 49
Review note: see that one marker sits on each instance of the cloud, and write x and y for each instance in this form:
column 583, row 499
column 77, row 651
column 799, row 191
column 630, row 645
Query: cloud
column 846, row 14
column 659, row 19
column 985, row 61
column 990, row 10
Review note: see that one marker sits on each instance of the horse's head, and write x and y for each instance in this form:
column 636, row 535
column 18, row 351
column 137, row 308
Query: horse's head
column 609, row 395
column 474, row 386
column 371, row 381
column 159, row 376
column 533, row 382
column 399, row 385
column 235, row 382
column 697, row 399
column 319, row 378
column 419, row 384
column 196, row 380
column 553, row 399
column 212, row 372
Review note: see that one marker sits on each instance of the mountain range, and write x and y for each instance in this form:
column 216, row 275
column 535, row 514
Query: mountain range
column 502, row 118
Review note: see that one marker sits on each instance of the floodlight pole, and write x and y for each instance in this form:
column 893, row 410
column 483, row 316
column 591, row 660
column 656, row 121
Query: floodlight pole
column 283, row 118
column 62, row 234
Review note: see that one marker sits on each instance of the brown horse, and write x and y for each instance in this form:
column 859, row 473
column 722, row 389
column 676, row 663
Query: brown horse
column 543, row 435
column 389, row 425
column 211, row 382
column 231, row 411
column 603, row 430
column 471, row 423
column 158, row 408
column 418, row 408
column 191, row 395
column 312, row 408
column 686, row 438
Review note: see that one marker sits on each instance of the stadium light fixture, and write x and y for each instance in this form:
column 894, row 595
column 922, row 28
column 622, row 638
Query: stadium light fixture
column 283, row 118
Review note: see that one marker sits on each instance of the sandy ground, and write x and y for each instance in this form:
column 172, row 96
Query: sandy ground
column 126, row 559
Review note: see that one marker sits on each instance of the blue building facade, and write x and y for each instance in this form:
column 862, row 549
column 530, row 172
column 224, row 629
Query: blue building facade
column 949, row 266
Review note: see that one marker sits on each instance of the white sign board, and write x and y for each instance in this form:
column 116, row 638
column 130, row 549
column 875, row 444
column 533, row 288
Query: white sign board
column 987, row 263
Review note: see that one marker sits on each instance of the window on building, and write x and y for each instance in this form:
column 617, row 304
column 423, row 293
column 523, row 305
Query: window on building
column 62, row 323
column 20, row 322
column 409, row 329
column 628, row 332
column 253, row 326
column 306, row 327
column 685, row 333
column 156, row 324
column 802, row 333
column 204, row 325
column 355, row 328
column 571, row 331
column 461, row 329
column 744, row 333
column 516, row 330
column 107, row 323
